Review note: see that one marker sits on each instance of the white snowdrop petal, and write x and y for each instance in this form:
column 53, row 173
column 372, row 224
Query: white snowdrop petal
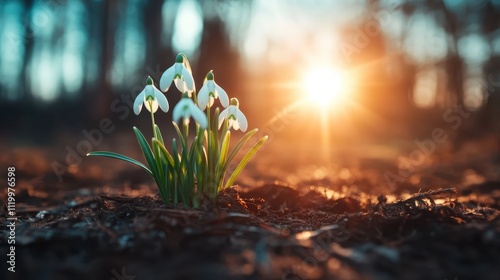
column 235, row 124
column 138, row 102
column 154, row 105
column 211, row 86
column 203, row 97
column 232, row 110
column 198, row 116
column 162, row 100
column 223, row 116
column 180, row 84
column 178, row 69
column 241, row 120
column 224, row 99
column 178, row 110
column 188, row 79
column 149, row 90
column 166, row 78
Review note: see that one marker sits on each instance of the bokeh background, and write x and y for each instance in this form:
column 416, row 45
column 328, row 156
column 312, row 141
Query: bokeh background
column 67, row 65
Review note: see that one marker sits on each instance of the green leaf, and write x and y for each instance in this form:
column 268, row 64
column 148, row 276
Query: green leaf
column 176, row 170
column 181, row 137
column 224, row 150
column 176, row 154
column 238, row 146
column 212, row 147
column 215, row 122
column 146, row 150
column 120, row 157
column 177, row 129
column 245, row 160
column 224, row 130
column 161, row 164
column 200, row 170
column 158, row 135
column 158, row 160
column 164, row 152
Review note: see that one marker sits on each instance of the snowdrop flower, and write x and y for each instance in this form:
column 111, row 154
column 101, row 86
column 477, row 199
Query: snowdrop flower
column 180, row 74
column 186, row 109
column 210, row 91
column 234, row 116
column 151, row 97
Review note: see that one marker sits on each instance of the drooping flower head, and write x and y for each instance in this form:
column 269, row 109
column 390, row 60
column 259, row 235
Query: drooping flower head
column 151, row 97
column 186, row 109
column 180, row 73
column 210, row 91
column 236, row 119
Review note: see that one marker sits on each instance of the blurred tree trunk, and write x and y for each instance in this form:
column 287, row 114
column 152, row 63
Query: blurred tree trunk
column 159, row 55
column 455, row 72
column 404, row 84
column 90, row 31
column 217, row 54
column 25, row 93
column 490, row 115
column 454, row 65
column 99, row 99
column 369, row 61
column 57, row 50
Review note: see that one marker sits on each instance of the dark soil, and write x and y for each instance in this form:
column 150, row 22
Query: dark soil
column 316, row 229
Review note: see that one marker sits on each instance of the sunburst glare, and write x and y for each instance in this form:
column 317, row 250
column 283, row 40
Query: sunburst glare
column 326, row 85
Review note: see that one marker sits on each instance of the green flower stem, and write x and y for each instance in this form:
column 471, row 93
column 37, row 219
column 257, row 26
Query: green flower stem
column 160, row 179
column 152, row 118
column 210, row 152
column 185, row 127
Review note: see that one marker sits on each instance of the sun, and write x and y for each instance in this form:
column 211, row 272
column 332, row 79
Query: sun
column 326, row 85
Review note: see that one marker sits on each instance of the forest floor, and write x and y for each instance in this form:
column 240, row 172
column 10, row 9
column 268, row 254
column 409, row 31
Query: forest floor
column 438, row 219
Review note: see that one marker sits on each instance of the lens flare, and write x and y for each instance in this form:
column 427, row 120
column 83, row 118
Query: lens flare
column 326, row 85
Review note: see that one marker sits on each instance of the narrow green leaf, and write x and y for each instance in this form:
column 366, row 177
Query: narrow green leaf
column 158, row 135
column 120, row 157
column 164, row 152
column 200, row 175
column 146, row 150
column 176, row 170
column 161, row 164
column 158, row 159
column 186, row 166
column 245, row 160
column 192, row 149
column 165, row 186
column 212, row 148
column 238, row 146
column 215, row 122
column 181, row 137
column 179, row 133
column 224, row 150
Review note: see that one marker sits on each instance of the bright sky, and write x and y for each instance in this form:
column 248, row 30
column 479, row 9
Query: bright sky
column 280, row 29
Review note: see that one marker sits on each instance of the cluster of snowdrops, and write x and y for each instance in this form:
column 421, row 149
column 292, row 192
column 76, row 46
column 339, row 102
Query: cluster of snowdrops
column 197, row 166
